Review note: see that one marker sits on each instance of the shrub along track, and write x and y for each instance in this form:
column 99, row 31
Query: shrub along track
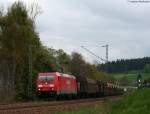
column 51, row 107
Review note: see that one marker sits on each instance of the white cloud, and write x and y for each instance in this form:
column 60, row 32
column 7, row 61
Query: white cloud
column 68, row 24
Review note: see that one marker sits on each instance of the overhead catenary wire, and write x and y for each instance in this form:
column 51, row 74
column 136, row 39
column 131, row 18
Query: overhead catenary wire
column 93, row 54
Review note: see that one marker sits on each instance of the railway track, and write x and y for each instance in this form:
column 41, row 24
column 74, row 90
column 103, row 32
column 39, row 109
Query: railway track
column 50, row 107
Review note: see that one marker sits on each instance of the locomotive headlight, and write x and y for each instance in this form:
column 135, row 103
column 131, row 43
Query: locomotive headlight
column 139, row 80
column 51, row 85
column 40, row 85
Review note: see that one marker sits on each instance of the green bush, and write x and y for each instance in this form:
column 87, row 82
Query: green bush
column 136, row 103
column 146, row 68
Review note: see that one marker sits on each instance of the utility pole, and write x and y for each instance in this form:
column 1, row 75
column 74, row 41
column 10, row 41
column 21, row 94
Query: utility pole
column 106, row 46
column 30, row 72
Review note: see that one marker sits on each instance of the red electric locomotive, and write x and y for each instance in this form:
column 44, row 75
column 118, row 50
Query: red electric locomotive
column 55, row 83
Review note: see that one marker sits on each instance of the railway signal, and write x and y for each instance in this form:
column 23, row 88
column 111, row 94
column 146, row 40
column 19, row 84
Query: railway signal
column 139, row 80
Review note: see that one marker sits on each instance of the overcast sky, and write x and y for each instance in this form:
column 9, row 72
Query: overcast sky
column 69, row 24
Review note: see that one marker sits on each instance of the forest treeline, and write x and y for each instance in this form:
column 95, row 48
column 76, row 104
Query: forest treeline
column 125, row 65
column 23, row 56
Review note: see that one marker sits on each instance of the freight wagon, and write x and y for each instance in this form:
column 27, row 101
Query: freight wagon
column 87, row 87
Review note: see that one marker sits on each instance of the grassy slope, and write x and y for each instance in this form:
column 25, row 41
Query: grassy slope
column 132, row 75
column 136, row 103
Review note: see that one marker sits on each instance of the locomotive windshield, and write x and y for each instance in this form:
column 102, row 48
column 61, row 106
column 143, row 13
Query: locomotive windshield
column 50, row 78
column 46, row 78
column 42, row 78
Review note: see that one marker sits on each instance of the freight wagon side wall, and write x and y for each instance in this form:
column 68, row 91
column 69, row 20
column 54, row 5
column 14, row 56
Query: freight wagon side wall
column 92, row 87
column 101, row 87
column 81, row 85
column 87, row 86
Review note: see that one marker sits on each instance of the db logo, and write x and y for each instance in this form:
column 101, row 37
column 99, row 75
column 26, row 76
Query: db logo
column 68, row 82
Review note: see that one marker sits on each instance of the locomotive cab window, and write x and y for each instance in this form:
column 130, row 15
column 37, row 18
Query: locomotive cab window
column 42, row 78
column 50, row 78
column 46, row 78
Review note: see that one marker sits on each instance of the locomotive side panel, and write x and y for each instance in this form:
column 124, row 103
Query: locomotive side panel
column 67, row 84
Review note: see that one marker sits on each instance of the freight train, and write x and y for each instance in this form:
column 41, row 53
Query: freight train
column 59, row 84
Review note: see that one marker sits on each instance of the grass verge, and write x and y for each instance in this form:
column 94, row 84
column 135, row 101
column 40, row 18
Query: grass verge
column 137, row 102
column 86, row 110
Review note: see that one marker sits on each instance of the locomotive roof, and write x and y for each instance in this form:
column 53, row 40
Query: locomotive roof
column 58, row 74
column 65, row 75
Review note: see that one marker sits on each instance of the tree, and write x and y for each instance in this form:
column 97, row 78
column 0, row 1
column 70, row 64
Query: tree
column 123, row 65
column 18, row 36
column 80, row 68
column 63, row 59
column 146, row 68
column 78, row 65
